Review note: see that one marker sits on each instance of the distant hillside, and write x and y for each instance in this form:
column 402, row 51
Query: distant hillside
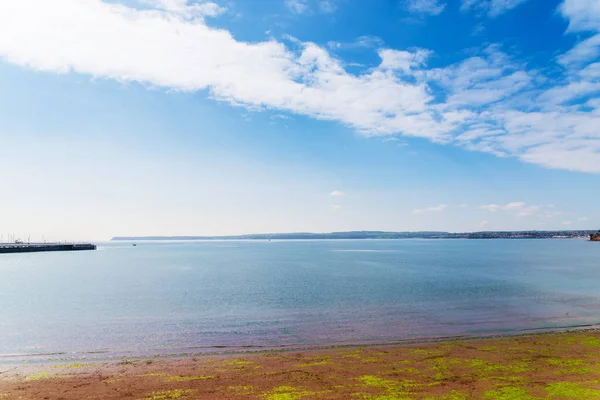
column 595, row 237
column 379, row 235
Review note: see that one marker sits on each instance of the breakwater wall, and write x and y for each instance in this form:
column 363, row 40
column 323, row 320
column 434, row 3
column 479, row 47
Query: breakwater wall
column 38, row 247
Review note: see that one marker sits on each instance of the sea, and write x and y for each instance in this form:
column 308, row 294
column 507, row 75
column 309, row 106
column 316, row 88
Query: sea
column 197, row 296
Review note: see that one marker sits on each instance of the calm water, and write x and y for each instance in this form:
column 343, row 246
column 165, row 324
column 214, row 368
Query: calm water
column 160, row 297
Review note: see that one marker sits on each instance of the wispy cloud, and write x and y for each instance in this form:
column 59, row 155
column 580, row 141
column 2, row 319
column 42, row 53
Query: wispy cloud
column 307, row 7
column 528, row 210
column 336, row 207
column 492, row 8
column 337, row 193
column 522, row 209
column 510, row 206
column 280, row 116
column 491, row 102
column 583, row 52
column 297, row 6
column 583, row 15
column 425, row 7
column 366, row 42
column 498, row 7
column 549, row 214
column 327, row 6
column 478, row 29
column 435, row 209
column 200, row 9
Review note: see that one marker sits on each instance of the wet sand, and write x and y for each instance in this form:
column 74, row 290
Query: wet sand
column 546, row 366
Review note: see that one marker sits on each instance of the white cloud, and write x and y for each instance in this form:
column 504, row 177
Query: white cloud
column 336, row 207
column 464, row 206
column 490, row 102
column 430, row 7
column 567, row 222
column 493, row 8
column 508, row 207
column 337, row 193
column 402, row 60
column 483, row 224
column 583, row 52
column 583, row 15
column 181, row 7
column 572, row 91
column 590, row 72
column 297, row 6
column 309, row 82
column 582, row 219
column 434, row 209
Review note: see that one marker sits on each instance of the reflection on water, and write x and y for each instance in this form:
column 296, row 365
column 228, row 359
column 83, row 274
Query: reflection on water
column 201, row 294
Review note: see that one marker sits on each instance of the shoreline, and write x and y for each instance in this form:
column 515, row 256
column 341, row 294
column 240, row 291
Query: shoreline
column 108, row 355
column 548, row 365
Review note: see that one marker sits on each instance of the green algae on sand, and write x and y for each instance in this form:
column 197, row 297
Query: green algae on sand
column 38, row 376
column 169, row 394
column 287, row 393
column 563, row 366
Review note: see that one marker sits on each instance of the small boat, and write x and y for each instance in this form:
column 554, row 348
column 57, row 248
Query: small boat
column 134, row 245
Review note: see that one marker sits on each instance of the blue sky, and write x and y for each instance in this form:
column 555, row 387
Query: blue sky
column 167, row 117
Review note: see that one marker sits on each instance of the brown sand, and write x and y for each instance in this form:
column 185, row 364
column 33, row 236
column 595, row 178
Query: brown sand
column 548, row 366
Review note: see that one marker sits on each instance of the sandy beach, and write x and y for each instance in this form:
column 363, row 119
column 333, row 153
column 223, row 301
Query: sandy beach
column 545, row 366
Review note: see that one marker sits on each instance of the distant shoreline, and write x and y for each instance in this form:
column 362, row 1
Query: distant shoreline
column 566, row 234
